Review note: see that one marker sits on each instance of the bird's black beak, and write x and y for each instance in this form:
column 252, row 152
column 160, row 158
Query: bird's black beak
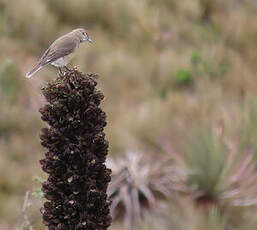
column 89, row 40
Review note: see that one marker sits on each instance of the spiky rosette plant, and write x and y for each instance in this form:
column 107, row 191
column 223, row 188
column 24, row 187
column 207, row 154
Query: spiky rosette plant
column 221, row 173
column 139, row 184
column 76, row 186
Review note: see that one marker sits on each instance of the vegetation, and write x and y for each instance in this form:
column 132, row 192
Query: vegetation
column 76, row 186
column 179, row 79
column 140, row 185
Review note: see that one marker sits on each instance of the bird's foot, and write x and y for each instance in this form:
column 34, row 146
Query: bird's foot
column 67, row 69
column 60, row 71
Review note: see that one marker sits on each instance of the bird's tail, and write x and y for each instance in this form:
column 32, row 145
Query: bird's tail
column 34, row 70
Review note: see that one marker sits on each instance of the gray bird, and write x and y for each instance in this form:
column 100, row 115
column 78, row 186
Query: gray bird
column 61, row 51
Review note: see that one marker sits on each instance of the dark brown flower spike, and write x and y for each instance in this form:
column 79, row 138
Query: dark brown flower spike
column 77, row 149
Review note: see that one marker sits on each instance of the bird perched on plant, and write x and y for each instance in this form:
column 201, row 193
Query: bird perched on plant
column 61, row 51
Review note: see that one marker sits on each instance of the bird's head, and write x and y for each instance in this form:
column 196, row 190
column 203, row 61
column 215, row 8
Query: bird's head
column 82, row 34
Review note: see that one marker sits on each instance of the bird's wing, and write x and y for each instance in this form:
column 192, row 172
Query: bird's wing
column 44, row 55
column 58, row 50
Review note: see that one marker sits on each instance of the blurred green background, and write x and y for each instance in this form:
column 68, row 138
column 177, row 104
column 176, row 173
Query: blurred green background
column 179, row 79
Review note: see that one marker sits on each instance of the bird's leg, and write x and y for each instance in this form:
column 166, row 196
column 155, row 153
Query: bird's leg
column 67, row 69
column 60, row 70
